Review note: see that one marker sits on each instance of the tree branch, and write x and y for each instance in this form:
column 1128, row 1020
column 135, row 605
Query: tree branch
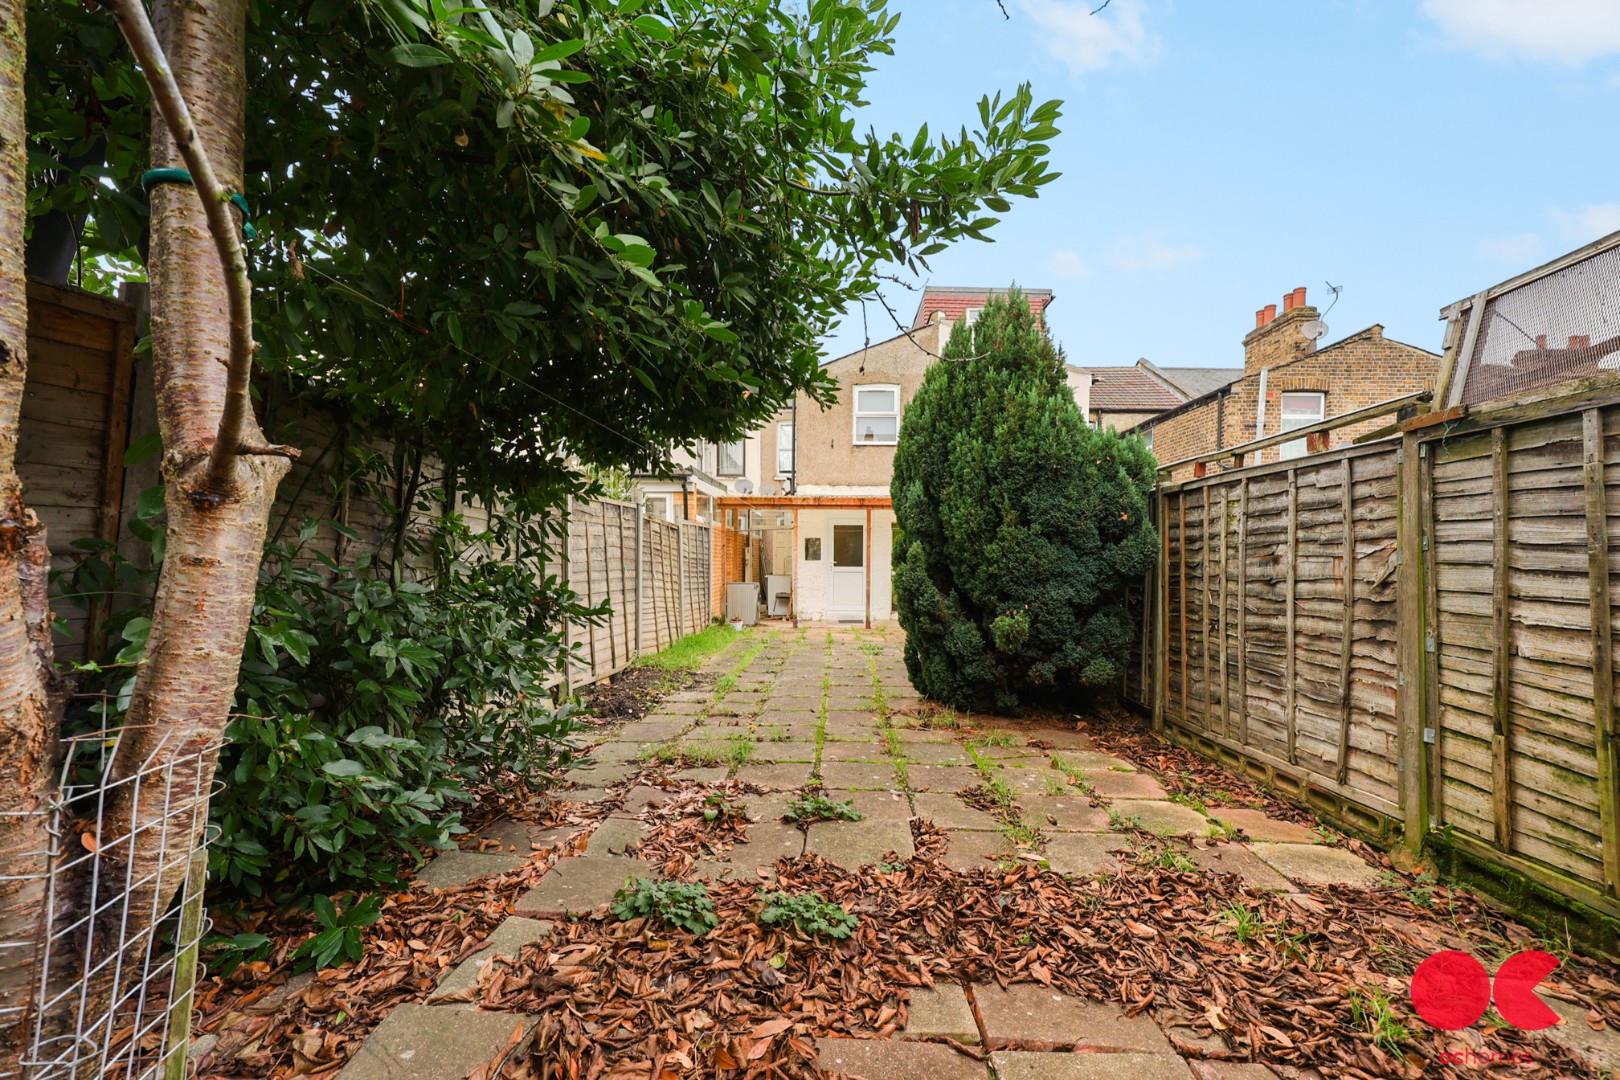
column 222, row 226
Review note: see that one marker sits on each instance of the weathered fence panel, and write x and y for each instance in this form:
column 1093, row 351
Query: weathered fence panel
column 1278, row 589
column 1415, row 635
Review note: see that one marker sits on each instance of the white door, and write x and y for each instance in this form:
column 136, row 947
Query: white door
column 848, row 600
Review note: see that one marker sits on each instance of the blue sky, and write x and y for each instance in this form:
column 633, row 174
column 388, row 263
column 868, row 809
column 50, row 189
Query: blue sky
column 1217, row 154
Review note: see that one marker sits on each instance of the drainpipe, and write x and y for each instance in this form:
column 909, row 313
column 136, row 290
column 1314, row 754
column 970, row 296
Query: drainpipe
column 793, row 481
column 1260, row 407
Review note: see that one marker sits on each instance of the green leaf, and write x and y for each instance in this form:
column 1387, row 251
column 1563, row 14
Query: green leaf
column 653, row 28
column 417, row 55
column 324, row 911
column 149, row 503
column 345, row 767
column 141, row 449
column 559, row 50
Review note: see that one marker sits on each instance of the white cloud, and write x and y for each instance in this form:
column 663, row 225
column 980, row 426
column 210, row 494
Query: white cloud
column 1587, row 223
column 1561, row 31
column 1067, row 263
column 1087, row 42
column 1516, row 248
column 1152, row 251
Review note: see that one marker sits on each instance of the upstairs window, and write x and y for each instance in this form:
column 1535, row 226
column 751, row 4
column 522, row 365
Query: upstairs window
column 877, row 415
column 728, row 458
column 971, row 316
column 784, row 449
column 1296, row 410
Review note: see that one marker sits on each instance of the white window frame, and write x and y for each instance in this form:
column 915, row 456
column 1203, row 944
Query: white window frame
column 1288, row 421
column 784, row 448
column 720, row 457
column 971, row 315
column 648, row 502
column 855, row 403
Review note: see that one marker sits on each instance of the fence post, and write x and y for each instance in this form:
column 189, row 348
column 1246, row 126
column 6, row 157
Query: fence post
column 1597, row 577
column 641, row 528
column 680, row 576
column 1410, row 688
column 1161, row 618
column 178, row 1047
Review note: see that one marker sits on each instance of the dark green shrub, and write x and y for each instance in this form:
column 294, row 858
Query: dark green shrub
column 681, row 904
column 1019, row 527
column 368, row 704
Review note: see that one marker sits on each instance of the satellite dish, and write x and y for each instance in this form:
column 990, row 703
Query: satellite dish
column 744, row 486
column 1314, row 329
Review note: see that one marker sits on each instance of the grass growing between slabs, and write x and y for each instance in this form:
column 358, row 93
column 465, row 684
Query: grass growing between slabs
column 694, row 650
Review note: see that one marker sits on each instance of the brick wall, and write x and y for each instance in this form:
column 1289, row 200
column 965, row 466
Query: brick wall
column 1363, row 369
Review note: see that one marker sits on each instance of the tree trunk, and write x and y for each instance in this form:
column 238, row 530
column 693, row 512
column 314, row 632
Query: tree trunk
column 28, row 714
column 186, row 682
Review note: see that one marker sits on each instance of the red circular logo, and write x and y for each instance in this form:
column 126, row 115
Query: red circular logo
column 1451, row 990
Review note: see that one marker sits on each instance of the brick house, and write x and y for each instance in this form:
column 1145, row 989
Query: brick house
column 1287, row 383
column 1123, row 397
column 822, row 508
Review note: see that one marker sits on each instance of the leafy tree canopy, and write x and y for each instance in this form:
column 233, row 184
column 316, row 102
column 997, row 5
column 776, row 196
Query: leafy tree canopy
column 1020, row 527
column 531, row 234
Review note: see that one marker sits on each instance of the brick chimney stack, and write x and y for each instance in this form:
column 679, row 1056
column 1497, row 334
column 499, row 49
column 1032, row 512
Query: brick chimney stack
column 1277, row 338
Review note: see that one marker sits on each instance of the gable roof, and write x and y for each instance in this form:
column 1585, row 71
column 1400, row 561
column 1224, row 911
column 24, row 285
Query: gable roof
column 955, row 300
column 1131, row 389
column 1198, row 381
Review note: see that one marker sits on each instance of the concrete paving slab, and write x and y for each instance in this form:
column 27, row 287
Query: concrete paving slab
column 941, row 777
column 891, row 1059
column 1316, row 864
column 785, row 776
column 1034, row 782
column 1125, row 785
column 853, row 750
column 505, row 940
column 614, row 752
column 1026, row 1065
column 768, row 807
column 938, row 1010
column 767, row 842
column 1601, row 1048
column 615, row 835
column 417, row 1041
column 1085, row 853
column 1164, row 818
column 972, row 849
column 949, row 812
column 773, row 750
column 1035, row 1013
column 642, row 796
column 1257, row 826
column 875, row 805
column 1238, row 859
column 1229, row 1070
column 854, row 844
column 857, row 774
column 1066, row 813
column 1092, row 760
column 935, row 753
column 452, row 868
column 912, row 735
column 579, row 885
column 704, row 774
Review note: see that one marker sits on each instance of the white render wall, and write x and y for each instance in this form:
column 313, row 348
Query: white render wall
column 814, row 599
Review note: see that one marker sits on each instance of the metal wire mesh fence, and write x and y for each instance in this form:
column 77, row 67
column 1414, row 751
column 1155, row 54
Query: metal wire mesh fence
column 115, row 955
column 1556, row 326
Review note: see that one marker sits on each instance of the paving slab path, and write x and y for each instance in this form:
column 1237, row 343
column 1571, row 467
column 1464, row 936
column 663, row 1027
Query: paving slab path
column 831, row 712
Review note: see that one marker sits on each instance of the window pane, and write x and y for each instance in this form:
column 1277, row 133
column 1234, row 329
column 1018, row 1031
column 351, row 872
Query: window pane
column 1306, row 408
column 730, row 459
column 878, row 429
column 784, row 449
column 874, row 401
column 848, row 546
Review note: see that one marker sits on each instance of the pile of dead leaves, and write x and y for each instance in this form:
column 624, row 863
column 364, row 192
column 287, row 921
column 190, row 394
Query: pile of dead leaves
column 702, row 822
column 618, row 999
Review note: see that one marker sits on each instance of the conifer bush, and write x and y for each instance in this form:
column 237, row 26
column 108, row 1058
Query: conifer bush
column 1018, row 526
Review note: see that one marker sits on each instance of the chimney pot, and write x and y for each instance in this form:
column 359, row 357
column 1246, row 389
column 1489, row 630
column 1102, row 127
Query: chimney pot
column 1259, row 318
column 1271, row 312
column 1541, row 341
column 1299, row 296
column 1580, row 341
column 1288, row 301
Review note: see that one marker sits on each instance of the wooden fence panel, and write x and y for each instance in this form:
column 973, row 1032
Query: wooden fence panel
column 1280, row 621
